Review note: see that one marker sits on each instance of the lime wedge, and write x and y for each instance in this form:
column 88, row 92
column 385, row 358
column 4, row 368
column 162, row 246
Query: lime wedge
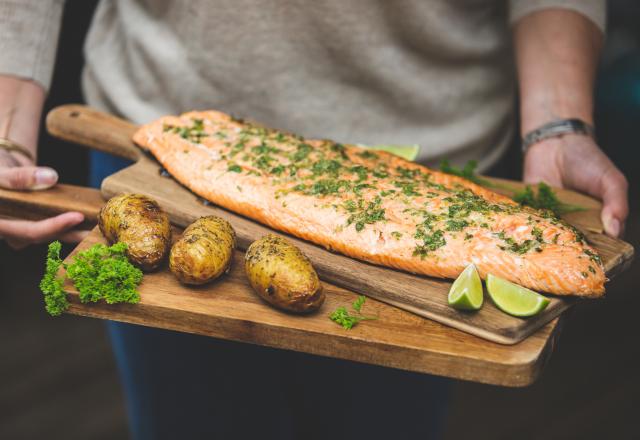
column 466, row 290
column 513, row 299
column 409, row 152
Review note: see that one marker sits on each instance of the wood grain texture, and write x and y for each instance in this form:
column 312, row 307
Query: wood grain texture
column 91, row 128
column 36, row 205
column 229, row 309
column 420, row 295
column 423, row 296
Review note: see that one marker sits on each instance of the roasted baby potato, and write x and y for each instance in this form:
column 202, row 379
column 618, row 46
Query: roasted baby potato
column 282, row 275
column 138, row 221
column 204, row 251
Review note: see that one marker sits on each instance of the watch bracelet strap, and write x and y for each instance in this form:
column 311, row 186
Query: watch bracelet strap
column 9, row 145
column 557, row 128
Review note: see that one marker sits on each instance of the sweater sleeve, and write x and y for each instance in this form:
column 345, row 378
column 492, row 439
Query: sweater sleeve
column 29, row 37
column 595, row 10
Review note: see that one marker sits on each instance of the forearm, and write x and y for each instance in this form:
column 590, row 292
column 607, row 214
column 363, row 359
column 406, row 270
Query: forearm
column 556, row 53
column 21, row 104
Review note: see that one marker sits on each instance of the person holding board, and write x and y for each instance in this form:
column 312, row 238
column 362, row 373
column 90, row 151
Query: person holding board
column 442, row 74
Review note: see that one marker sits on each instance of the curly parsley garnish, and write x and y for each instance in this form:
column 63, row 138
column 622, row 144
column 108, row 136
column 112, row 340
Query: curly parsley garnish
column 346, row 319
column 99, row 273
column 55, row 299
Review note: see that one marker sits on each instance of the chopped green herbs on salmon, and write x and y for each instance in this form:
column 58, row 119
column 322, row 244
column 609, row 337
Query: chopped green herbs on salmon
column 360, row 185
column 194, row 133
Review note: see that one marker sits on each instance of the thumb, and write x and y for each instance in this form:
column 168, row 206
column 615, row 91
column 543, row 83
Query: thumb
column 28, row 177
column 615, row 208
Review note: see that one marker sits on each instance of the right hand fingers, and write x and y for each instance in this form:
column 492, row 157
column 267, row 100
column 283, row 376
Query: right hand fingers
column 27, row 177
column 614, row 196
column 21, row 233
column 73, row 236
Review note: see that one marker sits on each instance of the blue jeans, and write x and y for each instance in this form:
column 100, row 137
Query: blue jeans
column 182, row 386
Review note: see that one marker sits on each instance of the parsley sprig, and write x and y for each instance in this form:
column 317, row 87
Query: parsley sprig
column 99, row 273
column 544, row 199
column 55, row 299
column 468, row 171
column 346, row 319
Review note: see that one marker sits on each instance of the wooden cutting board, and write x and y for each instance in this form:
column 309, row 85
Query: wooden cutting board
column 420, row 295
column 229, row 309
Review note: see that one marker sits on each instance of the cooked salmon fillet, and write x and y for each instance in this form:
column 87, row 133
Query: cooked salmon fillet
column 373, row 206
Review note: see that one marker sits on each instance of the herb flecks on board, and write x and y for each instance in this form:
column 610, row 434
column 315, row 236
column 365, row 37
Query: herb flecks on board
column 348, row 320
column 468, row 171
column 545, row 198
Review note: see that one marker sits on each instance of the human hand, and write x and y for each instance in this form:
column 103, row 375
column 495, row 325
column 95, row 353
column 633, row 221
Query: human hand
column 20, row 109
column 18, row 173
column 576, row 162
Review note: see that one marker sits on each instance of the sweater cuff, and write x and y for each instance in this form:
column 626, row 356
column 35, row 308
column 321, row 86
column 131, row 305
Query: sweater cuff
column 595, row 10
column 29, row 38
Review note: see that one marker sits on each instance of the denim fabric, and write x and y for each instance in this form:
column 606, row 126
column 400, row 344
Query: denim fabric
column 182, row 386
column 102, row 165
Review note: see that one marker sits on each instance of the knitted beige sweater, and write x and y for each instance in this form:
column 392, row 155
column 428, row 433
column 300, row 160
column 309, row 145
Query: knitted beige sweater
column 438, row 73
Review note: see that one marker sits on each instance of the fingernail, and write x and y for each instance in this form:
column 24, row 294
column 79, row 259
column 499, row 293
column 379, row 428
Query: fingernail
column 76, row 216
column 44, row 178
column 612, row 226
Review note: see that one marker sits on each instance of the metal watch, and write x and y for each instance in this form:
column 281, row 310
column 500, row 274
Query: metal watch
column 557, row 128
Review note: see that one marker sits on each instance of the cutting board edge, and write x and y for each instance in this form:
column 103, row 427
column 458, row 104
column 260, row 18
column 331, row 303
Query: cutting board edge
column 507, row 335
column 511, row 374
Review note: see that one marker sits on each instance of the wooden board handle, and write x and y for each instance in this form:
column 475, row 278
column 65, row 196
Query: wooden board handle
column 94, row 129
column 36, row 205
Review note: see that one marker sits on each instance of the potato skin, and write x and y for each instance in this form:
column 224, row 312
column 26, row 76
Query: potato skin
column 282, row 275
column 138, row 221
column 204, row 251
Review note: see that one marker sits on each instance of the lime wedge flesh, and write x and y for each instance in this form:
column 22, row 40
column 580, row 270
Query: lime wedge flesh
column 409, row 152
column 466, row 290
column 513, row 299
